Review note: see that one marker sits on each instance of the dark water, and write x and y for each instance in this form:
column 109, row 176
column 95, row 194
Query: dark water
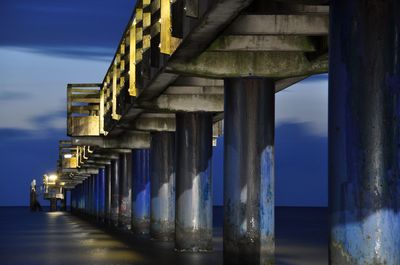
column 60, row 238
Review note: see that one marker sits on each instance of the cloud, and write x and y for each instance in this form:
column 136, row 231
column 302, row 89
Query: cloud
column 89, row 53
column 13, row 95
column 47, row 120
column 7, row 134
column 91, row 29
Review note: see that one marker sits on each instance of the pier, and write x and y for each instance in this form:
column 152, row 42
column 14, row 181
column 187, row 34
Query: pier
column 138, row 157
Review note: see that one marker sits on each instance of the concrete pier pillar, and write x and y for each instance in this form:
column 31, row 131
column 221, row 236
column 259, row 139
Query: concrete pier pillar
column 114, row 192
column 193, row 230
column 141, row 191
column 107, row 196
column 63, row 204
column 53, row 204
column 249, row 171
column 86, row 196
column 162, row 180
column 95, row 196
column 125, row 189
column 364, row 132
column 92, row 195
column 101, row 194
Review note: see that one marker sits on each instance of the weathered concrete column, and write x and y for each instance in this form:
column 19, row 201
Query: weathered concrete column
column 141, row 191
column 249, row 122
column 125, row 189
column 101, row 194
column 364, row 132
column 107, row 196
column 85, row 196
column 90, row 195
column 95, row 196
column 193, row 230
column 162, row 180
column 63, row 203
column 114, row 191
column 53, row 204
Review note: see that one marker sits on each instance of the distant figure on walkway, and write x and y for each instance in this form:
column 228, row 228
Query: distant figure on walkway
column 34, row 202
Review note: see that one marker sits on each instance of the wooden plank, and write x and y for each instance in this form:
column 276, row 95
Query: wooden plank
column 86, row 91
column 132, row 60
column 84, row 85
column 85, row 109
column 168, row 43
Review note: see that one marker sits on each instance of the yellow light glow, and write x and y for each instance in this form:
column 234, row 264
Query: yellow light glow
column 53, row 177
column 62, row 183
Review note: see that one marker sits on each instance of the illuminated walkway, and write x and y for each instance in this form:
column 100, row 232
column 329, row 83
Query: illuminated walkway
column 60, row 238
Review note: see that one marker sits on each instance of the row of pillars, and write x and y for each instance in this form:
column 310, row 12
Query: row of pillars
column 138, row 190
column 173, row 200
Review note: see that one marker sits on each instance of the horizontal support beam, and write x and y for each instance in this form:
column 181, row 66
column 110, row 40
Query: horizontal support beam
column 244, row 64
column 106, row 157
column 155, row 123
column 129, row 140
column 197, row 81
column 80, row 170
column 194, row 90
column 96, row 161
column 307, row 24
column 190, row 103
column 263, row 43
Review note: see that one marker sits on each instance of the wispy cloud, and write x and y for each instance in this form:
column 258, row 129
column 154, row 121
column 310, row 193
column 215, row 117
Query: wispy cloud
column 48, row 120
column 7, row 134
column 90, row 29
column 104, row 54
column 14, row 95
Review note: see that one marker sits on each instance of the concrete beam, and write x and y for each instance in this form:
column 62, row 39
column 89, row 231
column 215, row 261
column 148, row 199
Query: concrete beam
column 129, row 140
column 244, row 64
column 263, row 43
column 80, row 170
column 97, row 161
column 198, row 81
column 305, row 24
column 104, row 156
column 154, row 122
column 189, row 103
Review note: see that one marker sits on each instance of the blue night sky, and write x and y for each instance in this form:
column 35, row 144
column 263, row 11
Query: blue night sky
column 45, row 44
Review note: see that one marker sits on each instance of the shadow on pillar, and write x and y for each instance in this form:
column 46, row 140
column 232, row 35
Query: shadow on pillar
column 193, row 182
column 249, row 171
column 101, row 195
column 125, row 200
column 141, row 191
column 364, row 130
column 162, row 174
column 114, row 207
column 107, row 195
column 53, row 205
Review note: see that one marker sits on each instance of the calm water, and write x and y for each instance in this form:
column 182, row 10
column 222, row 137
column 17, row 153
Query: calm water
column 60, row 238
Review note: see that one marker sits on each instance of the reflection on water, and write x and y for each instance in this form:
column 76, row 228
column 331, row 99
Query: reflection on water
column 59, row 238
